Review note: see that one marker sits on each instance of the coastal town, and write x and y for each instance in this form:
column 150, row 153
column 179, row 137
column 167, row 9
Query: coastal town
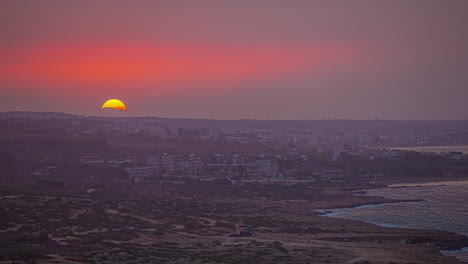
column 79, row 189
column 323, row 152
column 233, row 132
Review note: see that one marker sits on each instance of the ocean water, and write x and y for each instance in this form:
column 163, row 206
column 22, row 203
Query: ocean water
column 445, row 208
column 438, row 149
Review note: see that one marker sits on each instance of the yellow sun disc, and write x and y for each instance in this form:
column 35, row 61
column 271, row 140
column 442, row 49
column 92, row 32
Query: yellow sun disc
column 114, row 103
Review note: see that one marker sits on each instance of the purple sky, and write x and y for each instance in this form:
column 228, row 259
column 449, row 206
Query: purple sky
column 237, row 59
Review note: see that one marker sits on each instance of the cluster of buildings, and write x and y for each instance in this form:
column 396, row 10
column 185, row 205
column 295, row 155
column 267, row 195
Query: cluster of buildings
column 238, row 164
column 235, row 168
column 166, row 164
column 260, row 169
column 148, row 129
column 332, row 140
column 99, row 160
column 320, row 134
column 190, row 165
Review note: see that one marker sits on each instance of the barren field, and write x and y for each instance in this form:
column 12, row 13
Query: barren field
column 204, row 223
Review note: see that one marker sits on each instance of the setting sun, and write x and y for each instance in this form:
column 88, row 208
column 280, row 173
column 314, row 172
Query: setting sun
column 114, row 103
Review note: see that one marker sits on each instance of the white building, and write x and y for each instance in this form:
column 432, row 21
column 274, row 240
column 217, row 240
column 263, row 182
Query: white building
column 190, row 166
column 168, row 162
column 262, row 166
column 139, row 174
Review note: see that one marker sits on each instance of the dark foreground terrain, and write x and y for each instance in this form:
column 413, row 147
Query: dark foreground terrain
column 200, row 222
column 58, row 207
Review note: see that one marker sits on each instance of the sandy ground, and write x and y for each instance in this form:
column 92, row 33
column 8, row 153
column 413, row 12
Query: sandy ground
column 291, row 224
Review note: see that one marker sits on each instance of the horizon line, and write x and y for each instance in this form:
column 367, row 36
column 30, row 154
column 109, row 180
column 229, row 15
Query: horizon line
column 233, row 119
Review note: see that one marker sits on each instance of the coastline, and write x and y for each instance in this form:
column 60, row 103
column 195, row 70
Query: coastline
column 420, row 181
column 458, row 251
column 447, row 148
column 461, row 254
column 323, row 212
column 377, row 203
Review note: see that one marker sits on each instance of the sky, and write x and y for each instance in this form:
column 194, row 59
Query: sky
column 271, row 59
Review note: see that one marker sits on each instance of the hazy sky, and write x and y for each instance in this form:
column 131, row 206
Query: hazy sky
column 237, row 59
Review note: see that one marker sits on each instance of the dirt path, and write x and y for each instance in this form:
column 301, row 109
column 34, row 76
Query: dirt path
column 116, row 212
column 14, row 228
column 211, row 222
column 58, row 259
column 77, row 213
column 362, row 252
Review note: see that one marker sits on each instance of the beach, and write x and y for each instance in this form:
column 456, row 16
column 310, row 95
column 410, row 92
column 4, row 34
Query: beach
column 442, row 207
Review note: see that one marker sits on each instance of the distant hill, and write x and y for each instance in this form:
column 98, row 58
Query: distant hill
column 36, row 115
column 249, row 123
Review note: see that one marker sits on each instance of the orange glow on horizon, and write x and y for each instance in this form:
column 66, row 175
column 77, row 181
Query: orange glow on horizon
column 163, row 70
column 157, row 64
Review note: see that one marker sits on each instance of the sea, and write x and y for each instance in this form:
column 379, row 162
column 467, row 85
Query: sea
column 444, row 207
column 438, row 149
